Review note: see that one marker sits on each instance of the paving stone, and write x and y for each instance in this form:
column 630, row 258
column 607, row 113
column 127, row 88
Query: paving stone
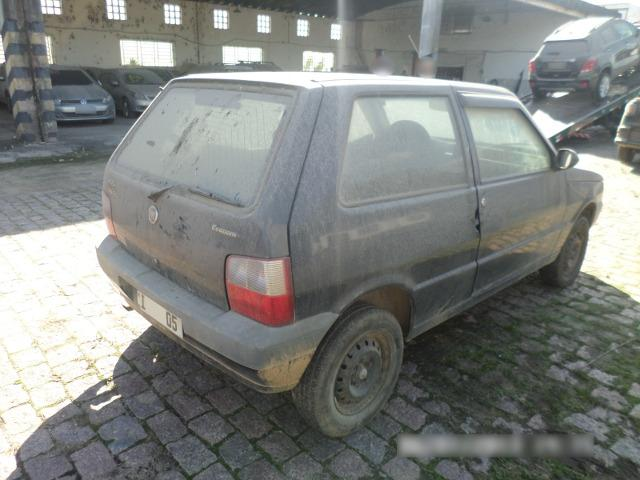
column 302, row 466
column 600, row 413
column 439, row 409
column 453, row 471
column 167, row 383
column 348, row 464
column 278, row 446
column 402, row 469
column 611, row 398
column 226, row 400
column 38, row 442
column 628, row 448
column 93, row 461
column 385, row 426
column 171, row 475
column 410, row 391
column 211, row 428
column 260, row 469
column 289, row 420
column 405, row 413
column 145, row 404
column 634, row 390
column 72, row 434
column 588, row 424
column 319, row 446
column 131, row 384
column 167, row 427
column 635, row 412
column 191, row 454
column 602, row 377
column 237, row 452
column 203, row 381
column 187, row 404
column 367, row 444
column 537, row 423
column 145, row 457
column 605, row 456
column 250, row 423
column 214, row 472
column 102, row 409
column 20, row 419
column 561, row 375
column 121, row 433
column 47, row 467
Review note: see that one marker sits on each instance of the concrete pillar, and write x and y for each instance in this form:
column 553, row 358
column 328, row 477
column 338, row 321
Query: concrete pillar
column 27, row 70
column 429, row 37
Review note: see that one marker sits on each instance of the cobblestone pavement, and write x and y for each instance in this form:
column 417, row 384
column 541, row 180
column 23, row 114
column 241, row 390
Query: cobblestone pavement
column 88, row 389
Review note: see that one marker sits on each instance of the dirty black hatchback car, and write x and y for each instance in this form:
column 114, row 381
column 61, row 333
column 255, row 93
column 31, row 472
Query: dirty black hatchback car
column 295, row 230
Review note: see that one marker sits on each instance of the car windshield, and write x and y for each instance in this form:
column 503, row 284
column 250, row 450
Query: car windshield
column 562, row 49
column 213, row 140
column 69, row 77
column 141, row 77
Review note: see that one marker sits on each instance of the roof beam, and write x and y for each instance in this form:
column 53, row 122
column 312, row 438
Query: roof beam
column 554, row 7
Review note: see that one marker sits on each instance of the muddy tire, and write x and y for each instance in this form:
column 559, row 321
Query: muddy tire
column 565, row 269
column 126, row 109
column 601, row 90
column 626, row 154
column 353, row 372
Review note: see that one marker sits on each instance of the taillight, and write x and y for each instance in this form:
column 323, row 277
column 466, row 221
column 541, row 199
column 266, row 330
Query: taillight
column 589, row 66
column 532, row 66
column 106, row 211
column 260, row 289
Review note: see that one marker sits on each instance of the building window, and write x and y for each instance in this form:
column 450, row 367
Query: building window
column 233, row 55
column 2, row 59
column 146, row 53
column 264, row 23
column 221, row 19
column 116, row 10
column 51, row 7
column 457, row 20
column 317, row 61
column 302, row 27
column 49, row 44
column 336, row 31
column 172, row 14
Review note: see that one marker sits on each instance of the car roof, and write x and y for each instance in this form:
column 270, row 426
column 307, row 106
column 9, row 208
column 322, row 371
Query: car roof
column 310, row 80
column 577, row 29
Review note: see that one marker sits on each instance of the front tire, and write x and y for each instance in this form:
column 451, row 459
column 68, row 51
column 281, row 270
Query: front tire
column 126, row 109
column 626, row 154
column 565, row 269
column 353, row 372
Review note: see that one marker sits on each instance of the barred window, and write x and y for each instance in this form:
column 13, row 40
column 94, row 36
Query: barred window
column 116, row 9
column 146, row 53
column 48, row 42
column 302, row 27
column 264, row 23
column 231, row 54
column 221, row 19
column 336, row 31
column 172, row 14
column 51, row 7
column 317, row 61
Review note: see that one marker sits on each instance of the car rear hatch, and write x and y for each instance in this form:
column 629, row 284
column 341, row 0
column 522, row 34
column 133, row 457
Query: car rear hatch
column 562, row 59
column 209, row 171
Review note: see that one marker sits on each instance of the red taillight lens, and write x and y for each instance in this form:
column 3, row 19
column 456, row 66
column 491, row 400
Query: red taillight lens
column 589, row 66
column 260, row 289
column 532, row 66
column 106, row 211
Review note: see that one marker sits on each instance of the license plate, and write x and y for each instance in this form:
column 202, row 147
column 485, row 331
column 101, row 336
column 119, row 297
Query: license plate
column 165, row 318
column 85, row 110
column 556, row 65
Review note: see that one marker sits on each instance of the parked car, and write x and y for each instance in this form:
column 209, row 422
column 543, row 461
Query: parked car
column 132, row 88
column 296, row 246
column 165, row 73
column 78, row 97
column 585, row 54
column 232, row 67
column 628, row 134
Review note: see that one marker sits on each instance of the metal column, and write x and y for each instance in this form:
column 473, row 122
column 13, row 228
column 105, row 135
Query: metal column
column 429, row 36
column 27, row 71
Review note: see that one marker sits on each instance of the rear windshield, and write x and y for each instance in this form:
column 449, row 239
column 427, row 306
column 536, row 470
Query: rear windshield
column 214, row 140
column 69, row 77
column 570, row 49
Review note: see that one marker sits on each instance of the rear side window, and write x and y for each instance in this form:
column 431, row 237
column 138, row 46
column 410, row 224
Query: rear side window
column 214, row 140
column 507, row 144
column 400, row 146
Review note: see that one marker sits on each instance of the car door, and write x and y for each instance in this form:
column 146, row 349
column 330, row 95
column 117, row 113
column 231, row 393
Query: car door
column 627, row 52
column 522, row 198
column 405, row 214
column 613, row 48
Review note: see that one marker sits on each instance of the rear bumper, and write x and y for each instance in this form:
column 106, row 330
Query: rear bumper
column 562, row 84
column 265, row 358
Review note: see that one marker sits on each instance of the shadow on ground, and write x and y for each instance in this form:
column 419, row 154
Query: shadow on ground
column 528, row 360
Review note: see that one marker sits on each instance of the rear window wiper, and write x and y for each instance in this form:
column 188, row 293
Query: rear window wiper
column 196, row 191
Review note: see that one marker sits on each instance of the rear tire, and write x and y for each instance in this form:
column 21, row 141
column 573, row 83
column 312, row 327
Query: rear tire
column 353, row 373
column 566, row 267
column 626, row 154
column 603, row 85
column 126, row 109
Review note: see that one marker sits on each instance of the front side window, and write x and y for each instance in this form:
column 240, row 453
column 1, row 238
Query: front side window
column 116, row 10
column 51, row 7
column 507, row 143
column 213, row 140
column 400, row 146
column 624, row 30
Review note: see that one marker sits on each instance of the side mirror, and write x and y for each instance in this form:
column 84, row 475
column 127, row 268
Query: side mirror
column 115, row 83
column 566, row 159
